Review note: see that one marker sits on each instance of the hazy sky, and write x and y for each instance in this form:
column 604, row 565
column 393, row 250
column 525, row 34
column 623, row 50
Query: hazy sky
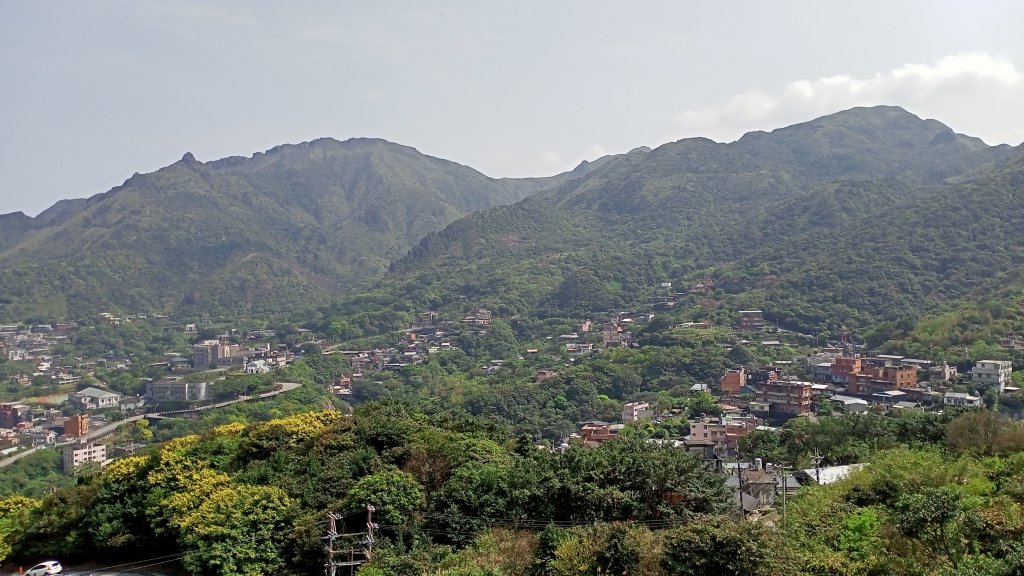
column 91, row 92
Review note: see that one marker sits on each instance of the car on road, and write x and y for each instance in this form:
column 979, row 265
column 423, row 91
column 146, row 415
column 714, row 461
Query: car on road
column 45, row 569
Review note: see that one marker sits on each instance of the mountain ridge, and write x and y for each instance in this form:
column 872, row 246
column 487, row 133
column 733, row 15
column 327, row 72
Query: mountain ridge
column 322, row 218
column 304, row 224
column 694, row 206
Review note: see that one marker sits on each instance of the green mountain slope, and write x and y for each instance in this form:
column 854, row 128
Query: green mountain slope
column 284, row 230
column 863, row 215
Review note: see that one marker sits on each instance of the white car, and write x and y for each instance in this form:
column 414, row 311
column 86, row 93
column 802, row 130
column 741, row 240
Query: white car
column 45, row 569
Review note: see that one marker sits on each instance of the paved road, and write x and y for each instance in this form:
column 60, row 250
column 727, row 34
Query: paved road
column 102, row 431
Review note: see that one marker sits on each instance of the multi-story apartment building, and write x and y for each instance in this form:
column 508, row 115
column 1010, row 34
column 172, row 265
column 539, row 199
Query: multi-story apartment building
column 996, row 372
column 786, row 396
column 13, row 413
column 751, row 320
column 76, row 426
column 872, row 375
column 636, row 412
column 724, row 431
column 733, row 381
column 75, row 455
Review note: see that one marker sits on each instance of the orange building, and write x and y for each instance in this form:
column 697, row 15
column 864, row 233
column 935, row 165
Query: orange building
column 733, row 381
column 868, row 376
column 76, row 426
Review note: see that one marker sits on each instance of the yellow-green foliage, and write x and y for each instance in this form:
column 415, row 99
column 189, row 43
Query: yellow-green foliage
column 298, row 428
column 14, row 515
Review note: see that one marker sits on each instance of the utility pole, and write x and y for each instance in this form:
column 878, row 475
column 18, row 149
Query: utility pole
column 817, row 468
column 370, row 526
column 784, row 469
column 358, row 551
column 332, row 534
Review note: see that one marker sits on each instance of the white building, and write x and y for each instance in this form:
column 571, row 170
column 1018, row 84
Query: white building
column 76, row 455
column 94, row 399
column 257, row 367
column 992, row 372
column 961, row 399
column 636, row 412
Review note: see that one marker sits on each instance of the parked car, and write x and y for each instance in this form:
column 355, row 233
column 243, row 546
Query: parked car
column 45, row 569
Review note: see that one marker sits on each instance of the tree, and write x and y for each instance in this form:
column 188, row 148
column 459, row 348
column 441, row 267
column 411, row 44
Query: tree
column 14, row 518
column 238, row 531
column 940, row 519
column 141, row 432
column 394, row 494
column 763, row 444
column 724, row 547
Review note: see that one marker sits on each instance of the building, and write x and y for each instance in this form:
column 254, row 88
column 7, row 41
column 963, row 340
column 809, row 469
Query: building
column 868, row 376
column 786, row 396
column 94, row 399
column 257, row 367
column 751, row 320
column 733, row 381
column 76, row 426
column 764, row 375
column 209, row 353
column 14, row 413
column 596, row 432
column 76, row 455
column 636, row 412
column 543, row 375
column 962, row 399
column 725, row 431
column 203, row 356
column 942, row 373
column 996, row 372
column 176, row 391
column 850, row 404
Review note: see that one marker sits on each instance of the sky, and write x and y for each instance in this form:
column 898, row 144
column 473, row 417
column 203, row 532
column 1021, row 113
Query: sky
column 92, row 92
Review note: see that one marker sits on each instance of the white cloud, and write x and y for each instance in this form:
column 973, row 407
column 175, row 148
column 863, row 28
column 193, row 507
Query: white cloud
column 975, row 93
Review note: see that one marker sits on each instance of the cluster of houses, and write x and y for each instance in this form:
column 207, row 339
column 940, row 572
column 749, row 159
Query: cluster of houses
column 757, row 486
column 855, row 383
column 25, row 425
column 223, row 353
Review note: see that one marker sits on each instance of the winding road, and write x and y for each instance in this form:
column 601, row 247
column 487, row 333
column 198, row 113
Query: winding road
column 102, row 431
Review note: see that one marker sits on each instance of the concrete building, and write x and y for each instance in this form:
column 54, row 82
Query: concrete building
column 868, row 376
column 13, row 413
column 962, row 399
column 76, row 426
column 733, row 381
column 942, row 373
column 636, row 412
column 76, row 455
column 751, row 320
column 995, row 372
column 209, row 354
column 176, row 391
column 725, row 431
column 786, row 396
column 94, row 399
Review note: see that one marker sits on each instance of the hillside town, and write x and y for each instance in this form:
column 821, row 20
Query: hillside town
column 53, row 400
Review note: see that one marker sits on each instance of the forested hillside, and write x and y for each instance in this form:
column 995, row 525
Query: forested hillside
column 282, row 231
column 452, row 495
column 860, row 217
